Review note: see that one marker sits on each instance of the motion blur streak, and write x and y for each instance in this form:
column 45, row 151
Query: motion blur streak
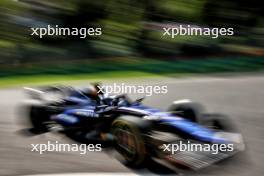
column 84, row 174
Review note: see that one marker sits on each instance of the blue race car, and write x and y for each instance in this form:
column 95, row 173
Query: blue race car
column 183, row 135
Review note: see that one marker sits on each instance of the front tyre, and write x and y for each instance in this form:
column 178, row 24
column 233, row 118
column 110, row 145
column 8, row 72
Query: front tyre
column 218, row 122
column 129, row 142
column 187, row 109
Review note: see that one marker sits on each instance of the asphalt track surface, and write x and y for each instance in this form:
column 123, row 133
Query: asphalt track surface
column 240, row 97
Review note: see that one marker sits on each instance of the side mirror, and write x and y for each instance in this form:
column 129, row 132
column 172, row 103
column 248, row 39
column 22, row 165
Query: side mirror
column 139, row 100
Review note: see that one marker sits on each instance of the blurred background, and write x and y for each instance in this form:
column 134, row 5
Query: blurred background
column 132, row 37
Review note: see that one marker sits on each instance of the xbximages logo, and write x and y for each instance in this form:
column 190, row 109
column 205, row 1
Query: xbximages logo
column 122, row 88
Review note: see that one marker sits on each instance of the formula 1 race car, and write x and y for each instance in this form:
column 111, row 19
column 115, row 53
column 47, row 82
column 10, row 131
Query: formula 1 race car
column 183, row 135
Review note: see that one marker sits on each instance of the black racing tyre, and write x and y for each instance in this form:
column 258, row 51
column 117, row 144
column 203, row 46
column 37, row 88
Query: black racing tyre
column 188, row 110
column 218, row 122
column 37, row 117
column 129, row 141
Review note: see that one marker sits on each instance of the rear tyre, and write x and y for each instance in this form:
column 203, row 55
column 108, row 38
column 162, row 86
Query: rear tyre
column 37, row 117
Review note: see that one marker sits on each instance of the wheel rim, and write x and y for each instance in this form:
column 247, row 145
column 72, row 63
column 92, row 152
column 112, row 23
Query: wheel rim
column 126, row 141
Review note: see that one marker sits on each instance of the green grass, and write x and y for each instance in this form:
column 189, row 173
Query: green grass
column 18, row 81
column 122, row 68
